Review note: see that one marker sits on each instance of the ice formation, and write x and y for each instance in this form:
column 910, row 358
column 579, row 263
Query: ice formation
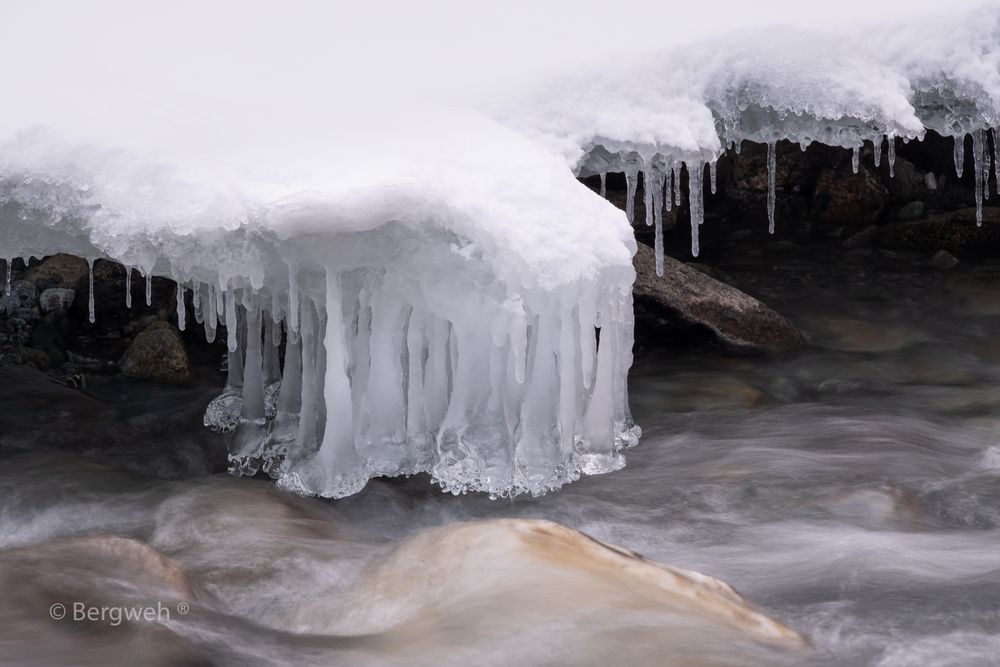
column 426, row 289
column 686, row 105
column 450, row 299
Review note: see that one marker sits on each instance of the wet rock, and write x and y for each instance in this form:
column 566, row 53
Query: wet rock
column 943, row 259
column 58, row 271
column 157, row 353
column 853, row 335
column 863, row 239
column 26, row 293
column 33, row 356
column 687, row 304
column 842, row 197
column 912, row 211
column 955, row 232
column 50, row 336
column 56, row 298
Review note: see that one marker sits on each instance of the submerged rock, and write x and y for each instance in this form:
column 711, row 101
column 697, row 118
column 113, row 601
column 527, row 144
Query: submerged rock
column 157, row 353
column 690, row 303
column 955, row 232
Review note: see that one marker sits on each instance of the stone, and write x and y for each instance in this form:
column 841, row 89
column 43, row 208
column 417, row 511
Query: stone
column 955, row 232
column 842, row 197
column 852, row 335
column 157, row 353
column 686, row 303
column 58, row 271
column 25, row 291
column 913, row 210
column 50, row 336
column 36, row 357
column 863, row 239
column 56, row 298
column 943, row 259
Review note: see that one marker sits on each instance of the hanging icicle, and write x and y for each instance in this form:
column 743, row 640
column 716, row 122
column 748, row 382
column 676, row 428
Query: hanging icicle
column 128, row 287
column 977, row 160
column 856, row 159
column 712, row 174
column 771, row 167
column 604, row 184
column 90, row 297
column 696, row 204
column 877, row 153
column 181, row 309
column 892, row 155
column 632, row 163
column 149, row 289
column 959, row 154
column 10, row 265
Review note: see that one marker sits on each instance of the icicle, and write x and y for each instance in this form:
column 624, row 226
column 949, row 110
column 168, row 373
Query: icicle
column 996, row 160
column 771, row 168
column 231, row 318
column 658, row 218
column 647, row 196
column 293, row 298
column 677, row 183
column 737, row 146
column 10, row 265
column 856, row 159
column 987, row 163
column 199, row 316
column 959, row 154
column 211, row 316
column 90, row 298
column 712, row 173
column 149, row 289
column 128, row 287
column 892, row 156
column 877, row 151
column 632, row 165
column 696, row 203
column 668, row 192
column 604, row 184
column 977, row 158
column 181, row 309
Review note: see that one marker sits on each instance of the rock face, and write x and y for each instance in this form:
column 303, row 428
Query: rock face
column 58, row 271
column 157, row 353
column 955, row 232
column 844, row 198
column 688, row 303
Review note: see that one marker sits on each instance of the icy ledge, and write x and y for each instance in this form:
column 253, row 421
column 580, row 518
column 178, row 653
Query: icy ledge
column 445, row 296
column 674, row 112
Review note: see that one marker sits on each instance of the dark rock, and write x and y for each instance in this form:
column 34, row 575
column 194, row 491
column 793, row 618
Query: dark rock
column 943, row 259
column 25, row 291
column 58, row 271
column 33, row 356
column 50, row 336
column 842, row 197
column 863, row 239
column 955, row 232
column 912, row 211
column 56, row 298
column 157, row 353
column 689, row 304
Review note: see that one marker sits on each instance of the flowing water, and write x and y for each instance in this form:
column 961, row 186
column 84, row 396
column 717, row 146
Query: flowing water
column 850, row 491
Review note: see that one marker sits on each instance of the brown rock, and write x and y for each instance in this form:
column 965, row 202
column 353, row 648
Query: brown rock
column 686, row 301
column 955, row 232
column 842, row 197
column 157, row 353
column 59, row 271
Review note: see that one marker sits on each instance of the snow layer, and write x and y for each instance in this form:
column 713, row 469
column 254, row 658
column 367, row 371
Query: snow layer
column 683, row 107
column 439, row 282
